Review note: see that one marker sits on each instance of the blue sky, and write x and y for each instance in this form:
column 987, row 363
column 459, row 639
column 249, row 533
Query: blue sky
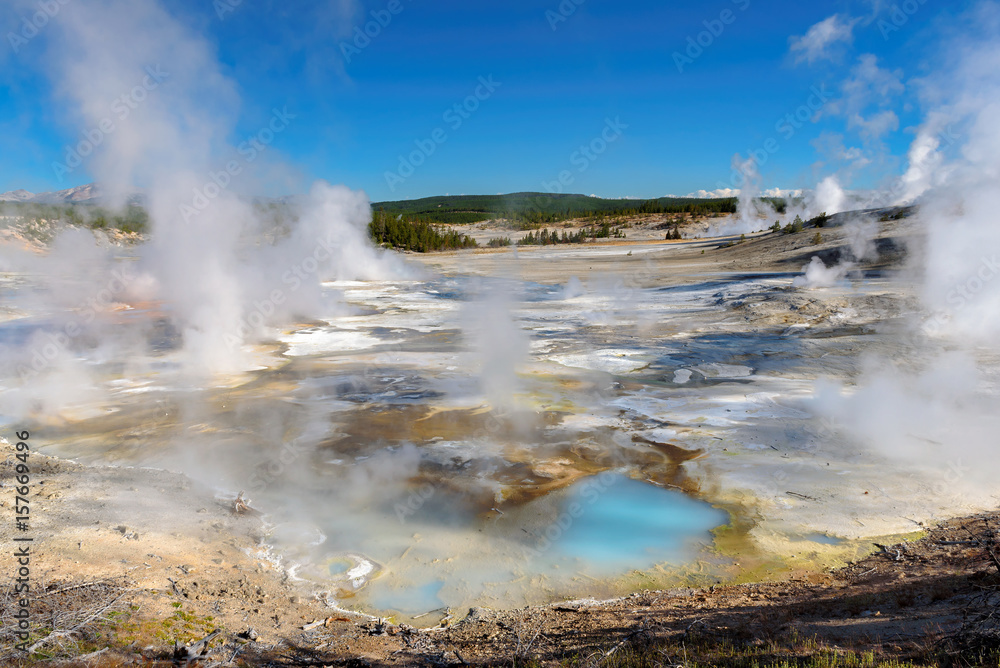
column 560, row 82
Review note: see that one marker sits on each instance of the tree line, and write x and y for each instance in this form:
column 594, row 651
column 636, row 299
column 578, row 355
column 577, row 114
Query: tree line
column 546, row 238
column 532, row 211
column 397, row 231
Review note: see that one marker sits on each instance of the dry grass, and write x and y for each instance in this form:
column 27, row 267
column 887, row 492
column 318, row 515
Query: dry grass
column 68, row 619
column 94, row 624
column 921, row 589
column 790, row 652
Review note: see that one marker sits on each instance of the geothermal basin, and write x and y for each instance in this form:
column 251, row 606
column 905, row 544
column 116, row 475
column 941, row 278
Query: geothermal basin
column 511, row 428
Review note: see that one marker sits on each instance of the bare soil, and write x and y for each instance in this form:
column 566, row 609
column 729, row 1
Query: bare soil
column 140, row 590
column 117, row 579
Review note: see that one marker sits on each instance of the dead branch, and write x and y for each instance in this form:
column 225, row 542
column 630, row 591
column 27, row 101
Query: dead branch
column 77, row 586
column 63, row 634
column 195, row 650
column 92, row 655
column 241, row 506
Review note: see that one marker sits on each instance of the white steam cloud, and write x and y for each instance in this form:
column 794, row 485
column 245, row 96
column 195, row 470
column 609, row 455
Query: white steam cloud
column 220, row 287
column 830, row 197
column 941, row 413
column 818, row 275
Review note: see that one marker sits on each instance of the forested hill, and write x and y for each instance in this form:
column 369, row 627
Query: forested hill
column 536, row 208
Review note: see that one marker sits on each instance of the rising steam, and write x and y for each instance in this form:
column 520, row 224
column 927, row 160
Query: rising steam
column 943, row 413
column 219, row 286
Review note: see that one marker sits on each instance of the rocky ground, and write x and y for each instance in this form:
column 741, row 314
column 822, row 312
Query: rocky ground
column 119, row 580
column 132, row 591
column 636, row 228
column 34, row 235
column 100, row 532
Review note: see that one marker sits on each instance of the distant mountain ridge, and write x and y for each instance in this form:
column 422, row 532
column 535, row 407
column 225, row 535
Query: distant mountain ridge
column 16, row 196
column 79, row 195
column 92, row 193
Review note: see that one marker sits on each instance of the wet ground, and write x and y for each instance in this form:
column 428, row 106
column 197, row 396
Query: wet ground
column 517, row 428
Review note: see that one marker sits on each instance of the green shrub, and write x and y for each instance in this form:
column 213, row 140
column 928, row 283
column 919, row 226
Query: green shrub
column 795, row 226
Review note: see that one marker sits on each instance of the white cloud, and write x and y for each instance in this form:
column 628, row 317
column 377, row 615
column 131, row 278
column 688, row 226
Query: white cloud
column 820, row 42
column 722, row 193
column 830, row 145
column 869, row 92
column 340, row 16
column 855, row 155
column 876, row 125
column 719, row 193
column 779, row 192
column 869, row 81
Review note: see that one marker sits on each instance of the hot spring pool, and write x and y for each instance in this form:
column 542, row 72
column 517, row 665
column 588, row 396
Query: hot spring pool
column 633, row 524
column 557, row 545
